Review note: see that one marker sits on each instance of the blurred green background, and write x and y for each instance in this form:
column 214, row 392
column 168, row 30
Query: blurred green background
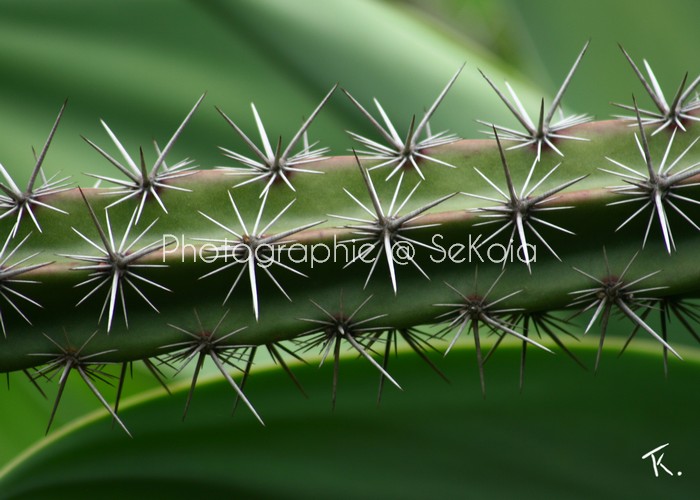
column 141, row 64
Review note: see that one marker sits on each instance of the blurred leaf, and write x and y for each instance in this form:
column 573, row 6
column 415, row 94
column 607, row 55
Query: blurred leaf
column 141, row 65
column 541, row 39
column 26, row 412
column 569, row 435
column 662, row 32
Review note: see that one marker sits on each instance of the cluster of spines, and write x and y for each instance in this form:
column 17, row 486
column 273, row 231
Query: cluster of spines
column 116, row 265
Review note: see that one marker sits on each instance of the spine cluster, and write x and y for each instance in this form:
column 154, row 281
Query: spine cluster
column 392, row 288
